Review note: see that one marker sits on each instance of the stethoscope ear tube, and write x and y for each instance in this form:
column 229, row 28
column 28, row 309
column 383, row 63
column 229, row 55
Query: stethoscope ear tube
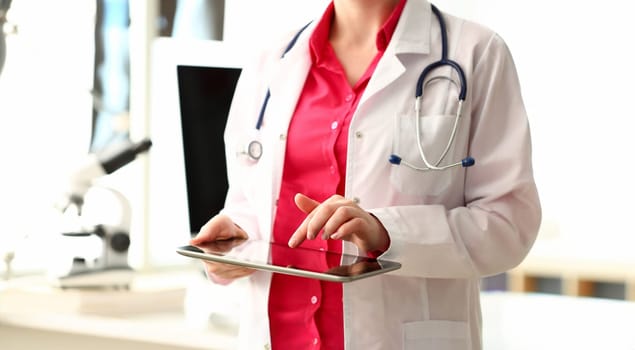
column 263, row 108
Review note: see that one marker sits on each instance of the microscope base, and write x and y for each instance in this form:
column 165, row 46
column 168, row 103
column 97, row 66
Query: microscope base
column 115, row 278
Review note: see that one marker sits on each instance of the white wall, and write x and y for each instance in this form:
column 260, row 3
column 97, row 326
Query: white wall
column 45, row 119
column 254, row 21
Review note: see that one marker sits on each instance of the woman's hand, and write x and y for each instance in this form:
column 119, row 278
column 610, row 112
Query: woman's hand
column 220, row 228
column 339, row 218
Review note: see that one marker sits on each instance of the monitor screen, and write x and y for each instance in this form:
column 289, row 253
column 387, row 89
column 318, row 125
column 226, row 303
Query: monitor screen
column 205, row 95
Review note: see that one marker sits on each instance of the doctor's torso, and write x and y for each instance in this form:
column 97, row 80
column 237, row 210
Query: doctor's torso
column 385, row 124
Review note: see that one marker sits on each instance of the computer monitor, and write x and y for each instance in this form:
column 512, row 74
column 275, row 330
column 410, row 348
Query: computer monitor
column 205, row 95
column 191, row 86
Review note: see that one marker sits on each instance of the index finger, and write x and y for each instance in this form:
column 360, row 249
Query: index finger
column 300, row 234
column 307, row 205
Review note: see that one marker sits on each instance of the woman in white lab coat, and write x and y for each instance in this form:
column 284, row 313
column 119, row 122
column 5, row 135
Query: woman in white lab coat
column 447, row 228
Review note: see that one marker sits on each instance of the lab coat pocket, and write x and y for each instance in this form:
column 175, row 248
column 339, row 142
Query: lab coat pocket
column 434, row 135
column 438, row 335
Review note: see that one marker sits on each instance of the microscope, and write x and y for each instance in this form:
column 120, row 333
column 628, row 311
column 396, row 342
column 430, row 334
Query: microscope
column 109, row 269
column 4, row 8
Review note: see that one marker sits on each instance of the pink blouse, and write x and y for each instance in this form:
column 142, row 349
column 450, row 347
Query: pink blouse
column 306, row 313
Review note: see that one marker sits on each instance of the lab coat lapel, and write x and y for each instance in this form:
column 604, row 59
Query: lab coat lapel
column 285, row 85
column 411, row 36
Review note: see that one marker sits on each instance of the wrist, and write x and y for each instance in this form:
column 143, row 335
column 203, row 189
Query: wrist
column 383, row 240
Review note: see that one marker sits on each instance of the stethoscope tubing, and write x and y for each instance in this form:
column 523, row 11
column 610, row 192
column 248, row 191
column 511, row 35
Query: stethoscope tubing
column 444, row 61
column 263, row 108
column 455, row 126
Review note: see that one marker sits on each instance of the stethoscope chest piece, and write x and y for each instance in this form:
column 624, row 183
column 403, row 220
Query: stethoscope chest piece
column 249, row 148
column 254, row 150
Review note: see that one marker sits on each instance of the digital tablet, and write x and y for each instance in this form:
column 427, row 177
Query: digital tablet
column 303, row 262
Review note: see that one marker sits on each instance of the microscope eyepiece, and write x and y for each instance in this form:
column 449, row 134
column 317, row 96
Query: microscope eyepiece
column 113, row 159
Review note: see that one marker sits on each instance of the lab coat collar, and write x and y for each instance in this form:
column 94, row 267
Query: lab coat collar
column 412, row 34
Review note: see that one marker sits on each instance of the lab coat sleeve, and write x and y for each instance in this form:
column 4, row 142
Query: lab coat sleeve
column 495, row 228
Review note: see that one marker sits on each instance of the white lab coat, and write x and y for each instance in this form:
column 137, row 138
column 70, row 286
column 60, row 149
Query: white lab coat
column 448, row 229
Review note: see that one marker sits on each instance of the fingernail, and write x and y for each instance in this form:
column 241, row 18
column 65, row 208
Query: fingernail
column 335, row 236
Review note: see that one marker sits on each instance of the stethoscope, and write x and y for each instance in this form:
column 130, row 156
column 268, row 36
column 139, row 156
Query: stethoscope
column 254, row 148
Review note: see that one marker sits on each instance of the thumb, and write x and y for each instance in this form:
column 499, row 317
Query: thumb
column 218, row 227
column 305, row 203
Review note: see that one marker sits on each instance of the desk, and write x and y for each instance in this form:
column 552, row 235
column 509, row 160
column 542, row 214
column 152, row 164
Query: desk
column 169, row 319
column 512, row 321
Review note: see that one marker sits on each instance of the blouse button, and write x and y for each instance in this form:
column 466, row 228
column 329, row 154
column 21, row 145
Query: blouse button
column 334, row 125
column 358, row 134
column 313, row 300
column 348, row 98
